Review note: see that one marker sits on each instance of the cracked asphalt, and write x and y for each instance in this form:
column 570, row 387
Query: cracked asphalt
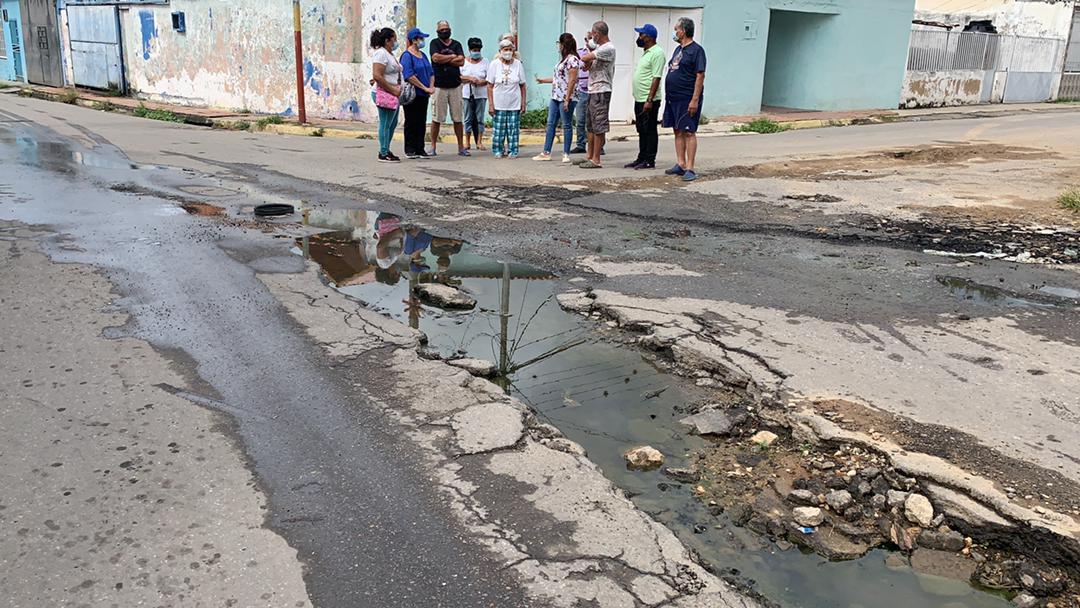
column 321, row 396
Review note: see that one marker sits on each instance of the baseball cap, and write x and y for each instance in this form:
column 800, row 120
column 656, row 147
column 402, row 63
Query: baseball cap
column 648, row 29
column 415, row 33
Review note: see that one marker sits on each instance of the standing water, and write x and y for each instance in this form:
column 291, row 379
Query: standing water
column 605, row 397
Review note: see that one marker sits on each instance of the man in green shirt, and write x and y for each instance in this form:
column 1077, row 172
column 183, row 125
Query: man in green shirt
column 650, row 69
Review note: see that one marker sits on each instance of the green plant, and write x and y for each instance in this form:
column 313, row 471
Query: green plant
column 760, row 125
column 704, row 120
column 270, row 120
column 70, row 96
column 163, row 115
column 534, row 119
column 318, row 132
column 241, row 125
column 1070, row 199
column 26, row 92
column 103, row 106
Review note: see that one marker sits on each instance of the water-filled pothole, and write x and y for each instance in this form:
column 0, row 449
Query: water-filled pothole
column 601, row 394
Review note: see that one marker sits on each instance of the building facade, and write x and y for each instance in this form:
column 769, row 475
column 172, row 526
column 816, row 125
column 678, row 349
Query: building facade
column 238, row 54
column 807, row 54
column 12, row 64
column 966, row 52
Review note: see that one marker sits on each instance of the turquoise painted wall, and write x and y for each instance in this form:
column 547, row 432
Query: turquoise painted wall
column 7, row 65
column 853, row 56
column 791, row 74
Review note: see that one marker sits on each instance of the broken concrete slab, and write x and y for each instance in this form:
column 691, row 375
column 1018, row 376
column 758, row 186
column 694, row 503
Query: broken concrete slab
column 487, row 427
column 445, row 296
column 476, row 367
column 715, row 421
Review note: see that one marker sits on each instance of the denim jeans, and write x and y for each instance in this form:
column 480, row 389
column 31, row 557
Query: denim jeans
column 579, row 116
column 557, row 112
column 388, row 120
column 475, row 115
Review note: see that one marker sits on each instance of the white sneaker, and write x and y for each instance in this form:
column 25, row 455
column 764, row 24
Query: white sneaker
column 543, row 157
column 566, row 159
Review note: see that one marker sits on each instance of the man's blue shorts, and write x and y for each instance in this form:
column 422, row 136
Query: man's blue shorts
column 677, row 116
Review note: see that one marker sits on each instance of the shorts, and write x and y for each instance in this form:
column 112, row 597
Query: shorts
column 597, row 111
column 677, row 116
column 444, row 99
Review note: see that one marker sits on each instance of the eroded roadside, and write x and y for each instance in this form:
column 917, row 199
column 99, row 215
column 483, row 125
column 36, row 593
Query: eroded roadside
column 839, row 477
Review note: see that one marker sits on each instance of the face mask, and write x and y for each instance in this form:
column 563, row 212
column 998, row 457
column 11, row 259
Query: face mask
column 675, row 37
column 476, row 55
column 444, row 34
column 419, row 44
column 640, row 43
column 592, row 45
column 393, row 47
column 508, row 55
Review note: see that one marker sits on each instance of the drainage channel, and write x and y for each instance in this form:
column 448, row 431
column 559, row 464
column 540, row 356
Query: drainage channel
column 575, row 374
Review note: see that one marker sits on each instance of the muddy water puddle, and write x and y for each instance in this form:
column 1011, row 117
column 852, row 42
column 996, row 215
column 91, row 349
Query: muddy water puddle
column 606, row 396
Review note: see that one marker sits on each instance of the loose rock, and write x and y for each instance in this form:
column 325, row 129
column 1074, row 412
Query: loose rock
column 941, row 541
column 445, row 296
column 839, row 500
column 683, row 475
column 803, row 497
column 811, row 517
column 476, row 367
column 918, row 510
column 644, row 457
column 896, row 498
column 714, row 422
column 764, row 438
column 879, row 502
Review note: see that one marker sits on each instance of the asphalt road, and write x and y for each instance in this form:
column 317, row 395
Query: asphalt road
column 349, row 494
column 187, row 287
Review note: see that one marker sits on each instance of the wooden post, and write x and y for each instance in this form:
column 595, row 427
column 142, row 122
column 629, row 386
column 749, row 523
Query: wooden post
column 299, row 42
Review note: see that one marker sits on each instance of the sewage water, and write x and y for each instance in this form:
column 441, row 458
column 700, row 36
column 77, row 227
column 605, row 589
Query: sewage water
column 601, row 395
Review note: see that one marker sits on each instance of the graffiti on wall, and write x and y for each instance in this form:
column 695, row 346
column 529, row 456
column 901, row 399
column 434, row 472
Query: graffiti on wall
column 237, row 54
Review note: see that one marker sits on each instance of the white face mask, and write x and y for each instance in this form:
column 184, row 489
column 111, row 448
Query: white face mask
column 592, row 45
column 508, row 55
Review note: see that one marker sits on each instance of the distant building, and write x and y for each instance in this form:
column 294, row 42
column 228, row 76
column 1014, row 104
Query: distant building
column 12, row 65
column 989, row 51
column 238, row 54
column 809, row 54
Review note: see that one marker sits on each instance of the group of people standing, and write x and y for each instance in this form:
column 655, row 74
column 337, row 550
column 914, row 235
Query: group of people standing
column 469, row 88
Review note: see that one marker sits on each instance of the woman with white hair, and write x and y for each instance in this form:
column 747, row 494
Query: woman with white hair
column 506, row 96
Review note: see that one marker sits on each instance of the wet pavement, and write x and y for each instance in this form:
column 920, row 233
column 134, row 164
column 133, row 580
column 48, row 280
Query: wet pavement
column 345, row 490
column 602, row 394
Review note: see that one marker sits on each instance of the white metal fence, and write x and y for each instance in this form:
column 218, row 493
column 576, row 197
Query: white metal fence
column 939, row 50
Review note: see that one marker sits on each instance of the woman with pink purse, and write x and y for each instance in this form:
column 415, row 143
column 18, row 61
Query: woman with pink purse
column 386, row 72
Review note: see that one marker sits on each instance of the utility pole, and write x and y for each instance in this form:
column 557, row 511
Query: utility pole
column 410, row 14
column 514, row 21
column 299, row 42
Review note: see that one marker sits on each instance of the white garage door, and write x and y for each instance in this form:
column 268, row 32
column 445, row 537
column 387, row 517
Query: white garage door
column 621, row 22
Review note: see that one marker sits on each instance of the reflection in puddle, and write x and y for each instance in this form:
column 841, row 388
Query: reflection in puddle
column 61, row 156
column 605, row 397
column 968, row 290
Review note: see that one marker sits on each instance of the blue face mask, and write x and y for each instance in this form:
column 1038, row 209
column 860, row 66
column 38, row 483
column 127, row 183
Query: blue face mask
column 420, row 43
column 476, row 55
column 675, row 37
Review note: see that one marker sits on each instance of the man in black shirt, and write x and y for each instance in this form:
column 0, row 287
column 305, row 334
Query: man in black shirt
column 447, row 57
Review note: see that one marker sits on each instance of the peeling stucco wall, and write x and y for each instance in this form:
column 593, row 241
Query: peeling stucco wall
column 238, row 54
column 1035, row 18
column 945, row 88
